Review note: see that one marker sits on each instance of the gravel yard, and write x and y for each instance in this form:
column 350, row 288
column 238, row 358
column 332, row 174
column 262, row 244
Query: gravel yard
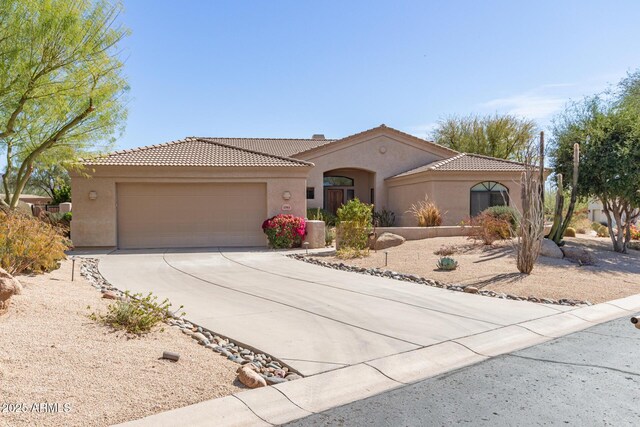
column 493, row 268
column 50, row 351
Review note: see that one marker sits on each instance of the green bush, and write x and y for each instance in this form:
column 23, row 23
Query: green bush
column 317, row 214
column 28, row 244
column 570, row 232
column 61, row 194
column 67, row 216
column 355, row 224
column 384, row 218
column 137, row 314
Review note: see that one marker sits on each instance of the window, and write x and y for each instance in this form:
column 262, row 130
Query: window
column 351, row 194
column 487, row 194
column 371, row 196
column 337, row 181
column 311, row 193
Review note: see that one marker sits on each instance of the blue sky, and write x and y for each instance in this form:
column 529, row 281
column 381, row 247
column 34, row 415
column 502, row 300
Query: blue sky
column 295, row 68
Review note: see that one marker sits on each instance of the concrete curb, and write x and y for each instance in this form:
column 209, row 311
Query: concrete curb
column 293, row 400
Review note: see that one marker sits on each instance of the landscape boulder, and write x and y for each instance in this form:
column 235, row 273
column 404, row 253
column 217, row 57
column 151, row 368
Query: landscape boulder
column 9, row 286
column 388, row 240
column 249, row 377
column 550, row 249
column 578, row 255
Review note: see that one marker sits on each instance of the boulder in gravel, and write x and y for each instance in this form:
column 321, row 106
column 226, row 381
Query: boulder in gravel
column 388, row 240
column 250, row 378
column 578, row 255
column 550, row 249
column 471, row 289
column 9, row 286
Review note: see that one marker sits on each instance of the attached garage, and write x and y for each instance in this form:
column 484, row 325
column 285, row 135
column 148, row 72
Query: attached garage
column 187, row 193
column 190, row 215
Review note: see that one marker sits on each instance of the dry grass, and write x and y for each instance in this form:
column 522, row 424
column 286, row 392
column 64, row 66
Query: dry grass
column 494, row 267
column 426, row 213
column 50, row 351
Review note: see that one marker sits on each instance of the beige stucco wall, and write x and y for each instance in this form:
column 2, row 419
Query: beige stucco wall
column 385, row 154
column 450, row 191
column 94, row 221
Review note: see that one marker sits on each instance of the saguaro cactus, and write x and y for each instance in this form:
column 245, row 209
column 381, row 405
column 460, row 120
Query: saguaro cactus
column 560, row 224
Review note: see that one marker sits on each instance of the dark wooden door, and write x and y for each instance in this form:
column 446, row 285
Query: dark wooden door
column 335, row 199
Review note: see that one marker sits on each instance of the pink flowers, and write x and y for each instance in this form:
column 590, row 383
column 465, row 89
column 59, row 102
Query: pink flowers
column 284, row 231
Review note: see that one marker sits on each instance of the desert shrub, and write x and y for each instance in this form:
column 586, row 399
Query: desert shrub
column 355, row 224
column 284, row 231
column 595, row 226
column 635, row 232
column 426, row 213
column 329, row 235
column 602, row 231
column 446, row 250
column 570, row 232
column 489, row 228
column 317, row 214
column 67, row 216
column 384, row 218
column 28, row 244
column 507, row 213
column 349, row 253
column 447, row 264
column 581, row 225
column 137, row 314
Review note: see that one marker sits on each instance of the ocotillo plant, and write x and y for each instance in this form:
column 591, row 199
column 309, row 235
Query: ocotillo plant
column 560, row 224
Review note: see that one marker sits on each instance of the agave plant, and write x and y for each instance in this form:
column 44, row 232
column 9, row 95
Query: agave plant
column 447, row 263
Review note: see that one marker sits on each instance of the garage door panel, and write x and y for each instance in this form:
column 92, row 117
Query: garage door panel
column 190, row 215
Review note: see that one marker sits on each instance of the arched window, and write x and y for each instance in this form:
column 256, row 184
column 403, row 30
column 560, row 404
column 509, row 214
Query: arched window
column 337, row 181
column 487, row 194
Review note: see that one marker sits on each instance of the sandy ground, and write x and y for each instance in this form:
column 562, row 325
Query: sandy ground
column 50, row 351
column 614, row 275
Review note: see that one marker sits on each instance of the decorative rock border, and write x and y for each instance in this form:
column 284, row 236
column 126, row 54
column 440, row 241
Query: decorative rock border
column 270, row 368
column 430, row 282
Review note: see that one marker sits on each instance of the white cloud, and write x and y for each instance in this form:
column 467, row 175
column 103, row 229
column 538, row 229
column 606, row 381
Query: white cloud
column 542, row 102
column 529, row 105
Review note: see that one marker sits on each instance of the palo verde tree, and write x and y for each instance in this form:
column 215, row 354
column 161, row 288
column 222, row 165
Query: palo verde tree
column 504, row 137
column 61, row 83
column 607, row 128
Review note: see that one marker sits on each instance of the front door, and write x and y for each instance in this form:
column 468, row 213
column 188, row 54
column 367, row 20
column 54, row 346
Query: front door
column 335, row 199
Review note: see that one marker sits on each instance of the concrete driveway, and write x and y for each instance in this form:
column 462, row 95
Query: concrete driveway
column 313, row 318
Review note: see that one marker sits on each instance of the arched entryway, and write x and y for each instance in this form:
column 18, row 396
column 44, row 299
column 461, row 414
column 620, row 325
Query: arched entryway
column 341, row 185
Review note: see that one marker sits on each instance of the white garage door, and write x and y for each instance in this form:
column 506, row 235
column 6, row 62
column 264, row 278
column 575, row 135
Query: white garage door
column 190, row 215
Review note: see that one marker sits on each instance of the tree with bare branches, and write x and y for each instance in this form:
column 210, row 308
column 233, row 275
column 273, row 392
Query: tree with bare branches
column 61, row 83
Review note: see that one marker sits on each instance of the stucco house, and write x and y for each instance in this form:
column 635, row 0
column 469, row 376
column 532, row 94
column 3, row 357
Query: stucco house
column 202, row 191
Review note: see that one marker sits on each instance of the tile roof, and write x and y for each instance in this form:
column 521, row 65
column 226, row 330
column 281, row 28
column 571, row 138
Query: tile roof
column 284, row 147
column 194, row 152
column 464, row 162
column 389, row 130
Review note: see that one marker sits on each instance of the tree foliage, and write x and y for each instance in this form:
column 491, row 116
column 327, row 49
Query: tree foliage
column 61, row 83
column 607, row 127
column 504, row 137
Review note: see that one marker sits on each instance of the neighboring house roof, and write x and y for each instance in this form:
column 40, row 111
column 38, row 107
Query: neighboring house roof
column 284, row 147
column 464, row 162
column 388, row 130
column 194, row 152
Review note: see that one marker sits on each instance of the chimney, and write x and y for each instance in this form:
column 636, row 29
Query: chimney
column 318, row 136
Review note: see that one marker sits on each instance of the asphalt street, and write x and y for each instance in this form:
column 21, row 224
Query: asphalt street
column 589, row 378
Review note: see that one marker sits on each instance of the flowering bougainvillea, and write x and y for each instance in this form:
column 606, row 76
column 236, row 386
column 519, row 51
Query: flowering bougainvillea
column 635, row 232
column 284, row 231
